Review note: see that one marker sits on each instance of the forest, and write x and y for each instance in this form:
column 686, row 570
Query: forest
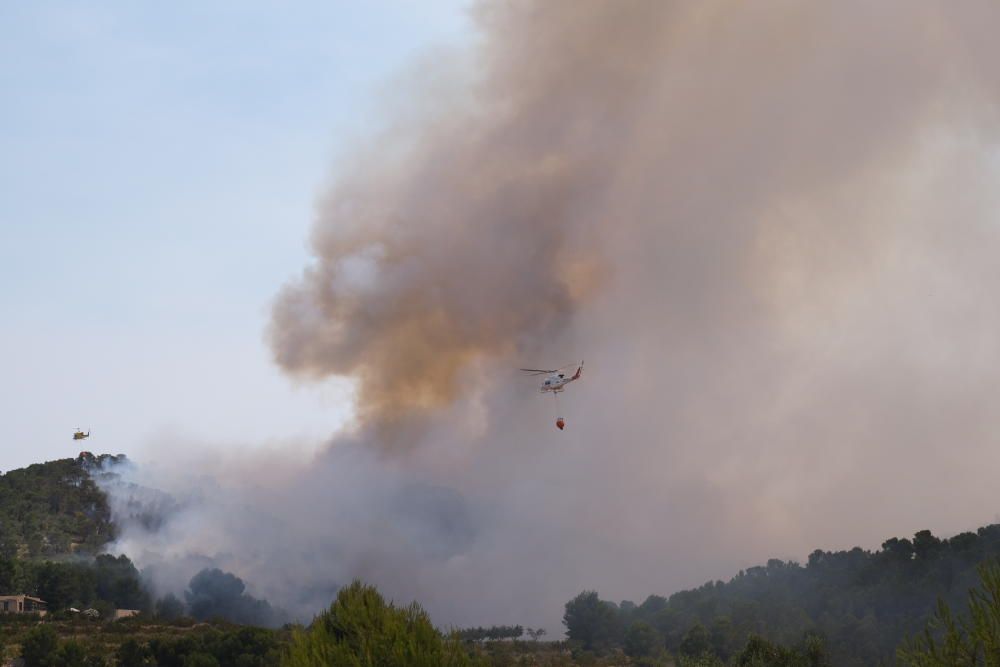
column 892, row 605
column 53, row 509
column 860, row 604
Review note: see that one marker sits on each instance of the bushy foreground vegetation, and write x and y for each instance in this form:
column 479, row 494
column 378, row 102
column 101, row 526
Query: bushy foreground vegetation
column 970, row 639
column 360, row 628
column 135, row 642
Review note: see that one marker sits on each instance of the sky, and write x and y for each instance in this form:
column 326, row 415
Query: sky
column 161, row 163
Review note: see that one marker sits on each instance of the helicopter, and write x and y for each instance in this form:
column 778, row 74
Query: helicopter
column 80, row 435
column 555, row 383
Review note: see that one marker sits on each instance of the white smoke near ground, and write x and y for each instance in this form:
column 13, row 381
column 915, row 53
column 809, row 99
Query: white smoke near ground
column 770, row 228
column 306, row 534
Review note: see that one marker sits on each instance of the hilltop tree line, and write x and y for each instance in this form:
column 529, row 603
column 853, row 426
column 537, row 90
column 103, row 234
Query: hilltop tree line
column 492, row 633
column 859, row 605
column 53, row 508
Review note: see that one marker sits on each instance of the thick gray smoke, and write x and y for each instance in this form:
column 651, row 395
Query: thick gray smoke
column 770, row 228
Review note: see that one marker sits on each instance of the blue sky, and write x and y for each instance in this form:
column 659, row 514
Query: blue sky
column 160, row 164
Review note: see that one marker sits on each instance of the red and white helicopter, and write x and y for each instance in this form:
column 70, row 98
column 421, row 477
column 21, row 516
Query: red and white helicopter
column 555, row 383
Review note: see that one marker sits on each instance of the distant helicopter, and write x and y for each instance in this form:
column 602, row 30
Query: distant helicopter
column 80, row 435
column 555, row 383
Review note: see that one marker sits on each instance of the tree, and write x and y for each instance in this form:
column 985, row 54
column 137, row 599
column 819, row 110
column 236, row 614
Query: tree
column 169, row 607
column 814, row 652
column 897, row 550
column 721, row 636
column 117, row 581
column 759, row 652
column 362, row 630
column 591, row 621
column 247, row 647
column 703, row 660
column 213, row 593
column 975, row 641
column 863, row 603
column 925, row 545
column 39, row 647
column 7, row 574
column 70, row 654
column 696, row 641
column 500, row 632
column 641, row 639
column 536, row 634
column 133, row 654
column 62, row 584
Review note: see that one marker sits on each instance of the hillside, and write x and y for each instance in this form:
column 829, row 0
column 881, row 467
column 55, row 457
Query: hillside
column 860, row 604
column 53, row 508
column 854, row 606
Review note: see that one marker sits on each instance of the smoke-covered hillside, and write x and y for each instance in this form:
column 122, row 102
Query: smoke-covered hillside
column 58, row 520
column 856, row 606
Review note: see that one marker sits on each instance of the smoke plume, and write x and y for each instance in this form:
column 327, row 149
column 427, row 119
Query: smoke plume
column 769, row 228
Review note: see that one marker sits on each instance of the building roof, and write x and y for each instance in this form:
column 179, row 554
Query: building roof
column 22, row 598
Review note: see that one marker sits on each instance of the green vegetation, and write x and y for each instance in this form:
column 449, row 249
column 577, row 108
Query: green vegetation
column 213, row 593
column 971, row 640
column 53, row 518
column 243, row 647
column 106, row 582
column 758, row 652
column 492, row 633
column 861, row 604
column 592, row 622
column 843, row 608
column 53, row 508
column 361, row 629
column 80, row 642
column 40, row 646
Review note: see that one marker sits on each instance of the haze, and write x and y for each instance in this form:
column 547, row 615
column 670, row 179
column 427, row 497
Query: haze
column 770, row 229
